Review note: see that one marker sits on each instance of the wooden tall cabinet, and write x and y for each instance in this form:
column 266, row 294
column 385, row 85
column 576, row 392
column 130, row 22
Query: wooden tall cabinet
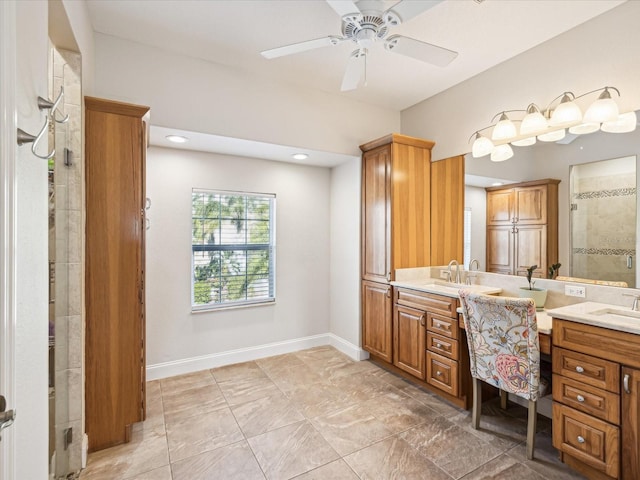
column 522, row 227
column 395, row 229
column 114, row 276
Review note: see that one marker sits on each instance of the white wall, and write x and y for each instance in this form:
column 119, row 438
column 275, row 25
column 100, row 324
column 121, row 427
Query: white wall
column 600, row 52
column 476, row 199
column 344, row 285
column 302, row 258
column 31, row 359
column 199, row 96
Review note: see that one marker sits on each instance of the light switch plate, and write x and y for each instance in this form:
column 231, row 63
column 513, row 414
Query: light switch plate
column 574, row 291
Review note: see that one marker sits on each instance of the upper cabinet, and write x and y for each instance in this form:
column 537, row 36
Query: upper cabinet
column 396, row 206
column 522, row 227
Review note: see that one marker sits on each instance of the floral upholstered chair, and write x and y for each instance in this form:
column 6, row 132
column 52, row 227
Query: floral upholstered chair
column 504, row 351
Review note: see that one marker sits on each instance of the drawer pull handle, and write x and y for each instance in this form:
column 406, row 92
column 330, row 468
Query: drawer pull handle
column 580, row 398
column 580, row 439
column 625, row 383
column 579, row 369
column 439, row 373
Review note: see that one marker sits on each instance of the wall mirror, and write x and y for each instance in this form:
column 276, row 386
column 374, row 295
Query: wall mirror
column 600, row 254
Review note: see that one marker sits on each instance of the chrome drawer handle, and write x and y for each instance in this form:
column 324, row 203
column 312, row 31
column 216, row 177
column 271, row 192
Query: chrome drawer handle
column 580, row 439
column 580, row 398
column 579, row 369
column 439, row 373
column 625, row 383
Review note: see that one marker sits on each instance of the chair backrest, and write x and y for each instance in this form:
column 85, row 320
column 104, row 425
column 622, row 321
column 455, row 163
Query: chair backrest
column 502, row 335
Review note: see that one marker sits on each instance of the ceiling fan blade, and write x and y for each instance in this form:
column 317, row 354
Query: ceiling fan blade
column 405, row 10
column 302, row 47
column 356, row 70
column 344, row 7
column 422, row 51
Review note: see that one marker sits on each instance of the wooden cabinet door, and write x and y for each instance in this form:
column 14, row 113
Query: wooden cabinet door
column 114, row 354
column 531, row 205
column 376, row 215
column 630, row 423
column 530, row 249
column 376, row 320
column 500, row 207
column 447, row 210
column 409, row 340
column 500, row 253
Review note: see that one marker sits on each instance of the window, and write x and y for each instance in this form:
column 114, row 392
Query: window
column 233, row 249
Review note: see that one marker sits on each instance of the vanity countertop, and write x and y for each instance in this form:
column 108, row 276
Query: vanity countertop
column 430, row 285
column 603, row 315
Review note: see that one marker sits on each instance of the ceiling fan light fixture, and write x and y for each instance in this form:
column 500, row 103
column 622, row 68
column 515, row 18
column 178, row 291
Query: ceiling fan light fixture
column 625, row 123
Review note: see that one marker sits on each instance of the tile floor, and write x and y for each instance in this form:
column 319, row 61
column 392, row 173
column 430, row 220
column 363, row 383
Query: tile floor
column 316, row 414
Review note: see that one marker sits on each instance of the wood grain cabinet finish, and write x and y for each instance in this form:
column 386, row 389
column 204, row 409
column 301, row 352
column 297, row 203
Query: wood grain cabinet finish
column 596, row 378
column 522, row 227
column 377, row 327
column 409, row 340
column 114, row 276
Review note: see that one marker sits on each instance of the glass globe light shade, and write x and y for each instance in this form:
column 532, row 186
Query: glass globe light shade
column 481, row 146
column 501, row 153
column 584, row 128
column 525, row 142
column 602, row 110
column 504, row 129
column 552, row 136
column 566, row 112
column 625, row 123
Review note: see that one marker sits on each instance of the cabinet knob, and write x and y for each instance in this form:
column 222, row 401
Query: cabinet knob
column 438, row 345
column 579, row 369
column 438, row 373
column 580, row 439
column 580, row 398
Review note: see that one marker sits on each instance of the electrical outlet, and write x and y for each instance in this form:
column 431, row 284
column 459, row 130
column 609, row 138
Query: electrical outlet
column 444, row 274
column 574, row 291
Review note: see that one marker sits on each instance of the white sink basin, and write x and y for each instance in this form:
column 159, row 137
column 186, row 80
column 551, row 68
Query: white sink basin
column 616, row 313
column 457, row 286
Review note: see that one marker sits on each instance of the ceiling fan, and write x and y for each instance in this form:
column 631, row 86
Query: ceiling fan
column 365, row 23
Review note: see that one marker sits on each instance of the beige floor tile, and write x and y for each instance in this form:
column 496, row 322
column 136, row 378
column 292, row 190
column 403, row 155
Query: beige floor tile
column 195, row 401
column 278, row 362
column 319, row 399
column 390, row 378
column 201, row 433
column 234, row 461
column 266, row 413
column 153, row 389
column 238, row 371
column 503, row 468
column 291, row 450
column 436, row 440
column 185, row 382
column 360, row 388
column 398, row 412
column 350, row 429
column 241, row 391
column 291, row 378
column 393, row 458
column 338, row 470
column 431, row 400
column 146, row 451
column 162, row 473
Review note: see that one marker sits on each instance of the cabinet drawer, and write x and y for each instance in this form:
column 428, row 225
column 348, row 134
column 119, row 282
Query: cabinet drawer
column 442, row 373
column 585, row 368
column 594, row 401
column 426, row 301
column 442, row 345
column 447, row 327
column 586, row 438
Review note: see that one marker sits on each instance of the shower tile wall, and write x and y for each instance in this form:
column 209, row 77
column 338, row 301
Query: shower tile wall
column 68, row 263
column 604, row 224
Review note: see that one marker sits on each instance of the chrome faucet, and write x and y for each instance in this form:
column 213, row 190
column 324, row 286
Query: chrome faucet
column 454, row 262
column 470, row 274
column 636, row 301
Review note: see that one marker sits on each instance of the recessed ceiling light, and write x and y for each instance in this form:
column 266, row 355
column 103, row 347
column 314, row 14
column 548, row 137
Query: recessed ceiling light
column 497, row 184
column 177, row 138
column 300, row 156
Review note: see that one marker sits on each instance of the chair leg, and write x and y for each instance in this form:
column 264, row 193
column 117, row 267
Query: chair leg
column 531, row 428
column 504, row 397
column 477, row 404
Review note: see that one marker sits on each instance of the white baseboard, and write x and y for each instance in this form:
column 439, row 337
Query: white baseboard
column 194, row 364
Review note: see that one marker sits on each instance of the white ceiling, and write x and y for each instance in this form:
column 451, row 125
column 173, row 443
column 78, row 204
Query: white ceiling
column 234, row 32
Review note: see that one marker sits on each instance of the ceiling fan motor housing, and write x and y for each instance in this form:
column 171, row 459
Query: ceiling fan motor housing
column 365, row 29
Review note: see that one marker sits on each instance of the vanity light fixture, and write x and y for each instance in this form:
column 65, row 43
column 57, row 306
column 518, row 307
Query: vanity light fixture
column 550, row 124
column 177, row 138
column 300, row 156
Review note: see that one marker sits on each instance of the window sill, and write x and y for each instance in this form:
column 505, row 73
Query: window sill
column 232, row 307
